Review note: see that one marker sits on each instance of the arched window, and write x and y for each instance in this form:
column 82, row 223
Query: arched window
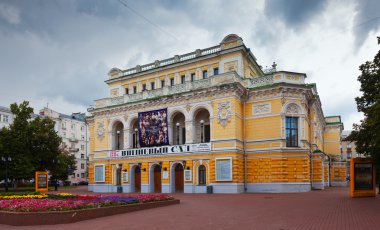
column 201, row 175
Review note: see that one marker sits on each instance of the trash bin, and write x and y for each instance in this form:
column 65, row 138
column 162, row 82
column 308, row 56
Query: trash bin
column 119, row 189
column 210, row 190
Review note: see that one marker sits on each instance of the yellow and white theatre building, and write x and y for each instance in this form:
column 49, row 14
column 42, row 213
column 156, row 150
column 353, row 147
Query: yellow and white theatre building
column 231, row 126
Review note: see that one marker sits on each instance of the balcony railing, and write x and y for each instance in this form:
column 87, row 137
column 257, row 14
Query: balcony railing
column 224, row 78
column 73, row 139
column 74, row 149
column 170, row 90
column 176, row 58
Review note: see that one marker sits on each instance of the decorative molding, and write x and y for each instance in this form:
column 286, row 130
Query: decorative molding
column 100, row 130
column 261, row 108
column 292, row 109
column 224, row 113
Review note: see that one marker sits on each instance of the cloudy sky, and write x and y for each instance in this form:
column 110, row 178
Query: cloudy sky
column 59, row 51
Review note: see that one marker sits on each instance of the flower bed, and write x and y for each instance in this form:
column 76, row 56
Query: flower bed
column 66, row 201
column 63, row 208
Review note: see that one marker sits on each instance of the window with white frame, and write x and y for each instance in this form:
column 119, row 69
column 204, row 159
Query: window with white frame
column 5, row 118
column 223, row 169
column 125, row 176
column 99, row 173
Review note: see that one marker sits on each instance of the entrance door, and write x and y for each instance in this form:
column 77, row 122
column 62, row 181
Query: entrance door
column 179, row 184
column 118, row 176
column 137, row 179
column 157, row 179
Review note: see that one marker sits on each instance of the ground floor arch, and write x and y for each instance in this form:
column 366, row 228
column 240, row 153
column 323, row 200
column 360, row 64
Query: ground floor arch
column 136, row 179
column 177, row 179
column 155, row 179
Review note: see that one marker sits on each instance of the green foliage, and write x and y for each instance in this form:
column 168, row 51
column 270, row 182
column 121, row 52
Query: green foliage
column 32, row 144
column 367, row 134
column 60, row 169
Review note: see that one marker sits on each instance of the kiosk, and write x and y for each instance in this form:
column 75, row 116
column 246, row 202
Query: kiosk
column 41, row 181
column 363, row 183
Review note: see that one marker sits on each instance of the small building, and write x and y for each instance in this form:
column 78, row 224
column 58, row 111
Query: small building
column 211, row 119
column 74, row 133
column 6, row 117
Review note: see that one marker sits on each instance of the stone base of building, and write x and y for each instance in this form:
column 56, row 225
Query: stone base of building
column 327, row 184
column 278, row 187
column 318, row 185
column 228, row 187
column 145, row 188
column 90, row 187
column 339, row 183
column 165, row 188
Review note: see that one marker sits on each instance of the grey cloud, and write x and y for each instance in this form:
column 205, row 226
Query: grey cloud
column 367, row 20
column 295, row 13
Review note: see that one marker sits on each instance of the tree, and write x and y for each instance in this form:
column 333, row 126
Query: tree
column 32, row 143
column 65, row 162
column 367, row 134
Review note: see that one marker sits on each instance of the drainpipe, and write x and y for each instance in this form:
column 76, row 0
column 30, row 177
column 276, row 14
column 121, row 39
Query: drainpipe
column 244, row 152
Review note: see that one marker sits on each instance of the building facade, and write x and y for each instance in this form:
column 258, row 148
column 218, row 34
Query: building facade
column 213, row 118
column 74, row 133
column 6, row 117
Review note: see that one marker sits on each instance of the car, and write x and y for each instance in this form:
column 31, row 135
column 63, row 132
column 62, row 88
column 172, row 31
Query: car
column 83, row 183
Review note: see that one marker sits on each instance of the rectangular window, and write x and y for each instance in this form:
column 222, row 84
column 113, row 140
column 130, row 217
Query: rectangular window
column 82, row 175
column 99, row 173
column 152, row 85
column 144, row 87
column 82, row 156
column 162, row 83
column 82, row 147
column 204, row 74
column 192, row 77
column 216, row 71
column 171, row 81
column 82, row 138
column 82, row 128
column 223, row 169
column 291, row 126
column 126, row 91
column 64, row 134
column 72, row 126
column 183, row 78
column 82, row 166
column 5, row 118
column 134, row 89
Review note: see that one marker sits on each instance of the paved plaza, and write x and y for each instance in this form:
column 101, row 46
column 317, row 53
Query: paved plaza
column 329, row 209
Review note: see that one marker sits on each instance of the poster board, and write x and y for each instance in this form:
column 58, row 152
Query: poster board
column 41, row 181
column 153, row 128
column 362, row 182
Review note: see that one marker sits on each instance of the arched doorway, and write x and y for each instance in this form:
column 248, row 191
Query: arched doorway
column 178, row 178
column 118, row 136
column 136, row 179
column 201, row 175
column 202, row 126
column 134, row 134
column 156, row 179
column 178, row 129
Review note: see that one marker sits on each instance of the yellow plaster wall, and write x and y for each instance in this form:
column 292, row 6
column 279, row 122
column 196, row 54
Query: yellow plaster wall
column 277, row 167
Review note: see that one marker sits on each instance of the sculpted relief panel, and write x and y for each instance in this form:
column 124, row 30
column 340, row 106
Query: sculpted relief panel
column 224, row 113
column 230, row 66
column 259, row 109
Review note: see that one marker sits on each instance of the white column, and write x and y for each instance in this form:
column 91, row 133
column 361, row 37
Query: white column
column 189, row 132
column 127, row 135
column 111, row 142
column 170, row 133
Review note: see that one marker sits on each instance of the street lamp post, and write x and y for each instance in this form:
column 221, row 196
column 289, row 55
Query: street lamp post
column 177, row 133
column 202, row 124
column 6, row 160
column 55, row 162
column 136, row 137
column 118, row 139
